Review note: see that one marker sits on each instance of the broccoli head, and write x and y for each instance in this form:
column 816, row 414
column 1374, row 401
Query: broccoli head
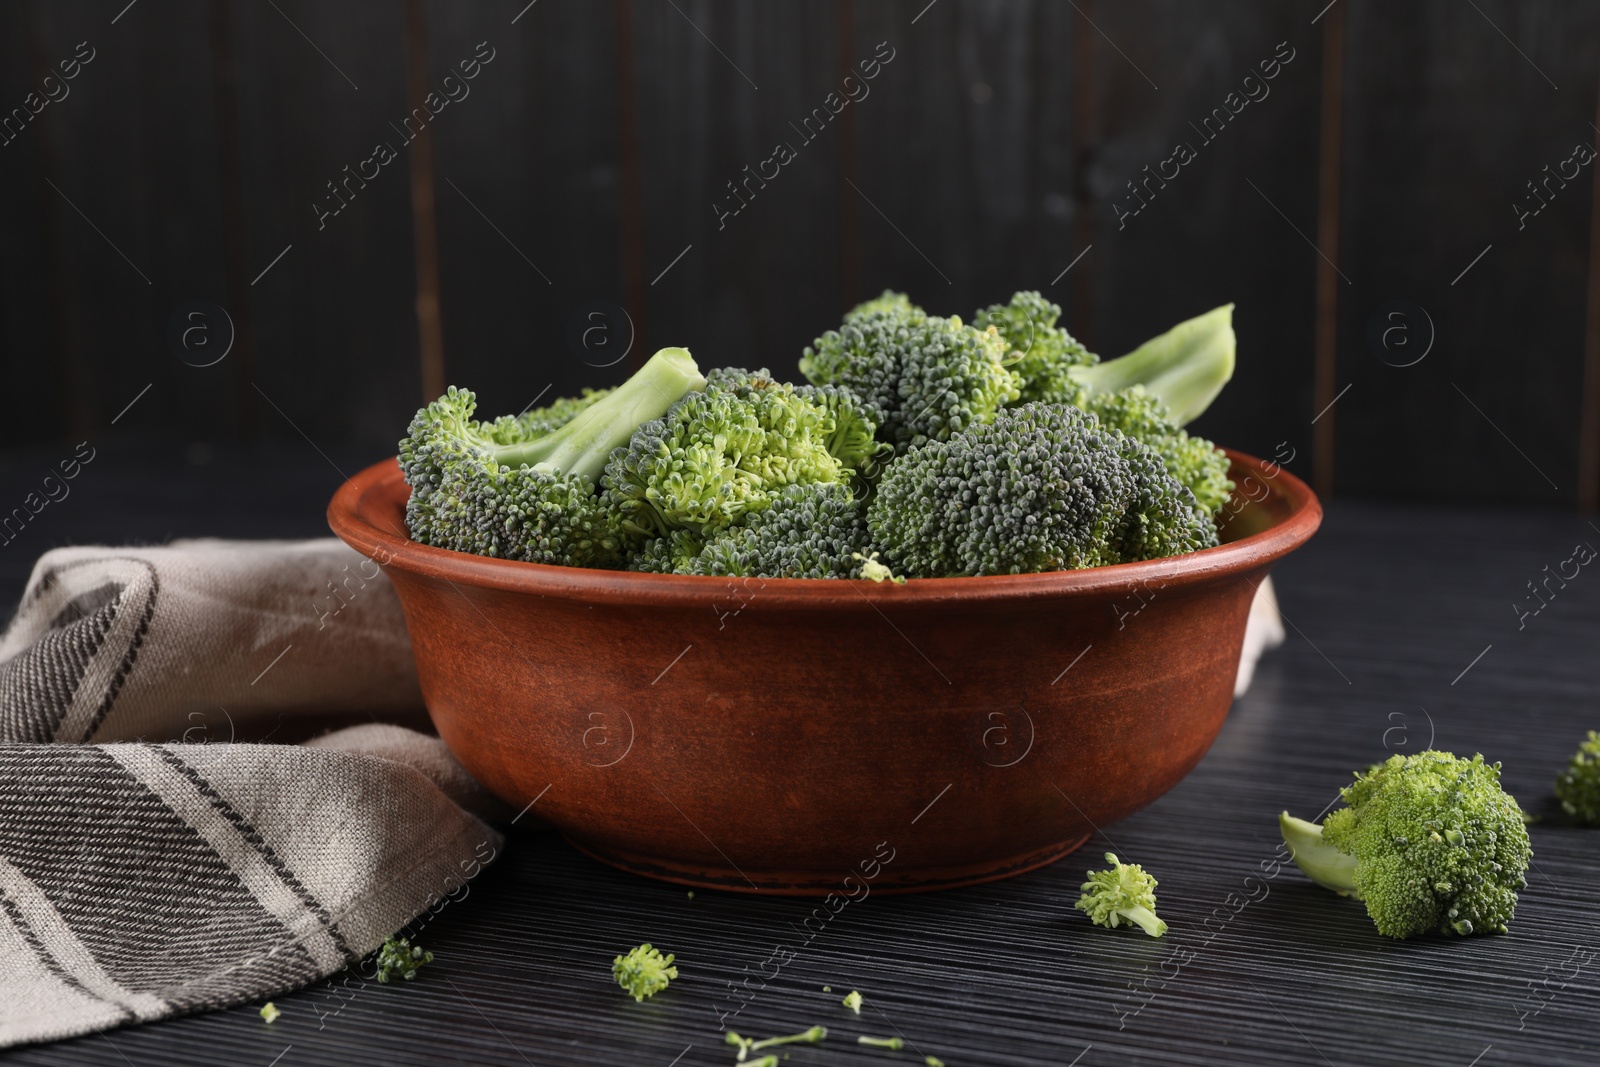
column 1428, row 842
column 513, row 489
column 1043, row 487
column 920, row 376
column 1043, row 354
column 1123, row 894
column 805, row 531
column 1193, row 461
column 717, row 457
column 1578, row 788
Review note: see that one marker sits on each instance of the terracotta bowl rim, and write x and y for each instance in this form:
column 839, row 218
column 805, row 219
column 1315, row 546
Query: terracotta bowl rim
column 349, row 510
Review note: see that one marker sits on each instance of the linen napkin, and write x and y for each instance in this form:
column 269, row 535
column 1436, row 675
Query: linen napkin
column 155, row 857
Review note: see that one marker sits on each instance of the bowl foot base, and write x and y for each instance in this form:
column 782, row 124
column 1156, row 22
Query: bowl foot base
column 893, row 877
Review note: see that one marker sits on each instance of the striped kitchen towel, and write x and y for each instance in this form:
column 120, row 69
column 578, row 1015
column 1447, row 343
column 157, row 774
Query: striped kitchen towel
column 179, row 829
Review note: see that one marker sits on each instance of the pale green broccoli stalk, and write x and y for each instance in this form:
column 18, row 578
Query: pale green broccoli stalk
column 643, row 971
column 1427, row 842
column 893, row 1043
column 1578, row 788
column 1123, row 894
column 921, row 377
column 853, row 1001
column 511, row 490
column 748, row 1045
column 1185, row 368
column 718, row 456
column 1042, row 488
column 540, row 421
column 805, row 531
column 399, row 958
column 1042, row 353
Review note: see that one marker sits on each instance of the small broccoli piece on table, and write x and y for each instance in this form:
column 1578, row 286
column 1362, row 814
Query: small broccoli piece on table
column 804, row 531
column 1044, row 487
column 920, row 376
column 716, row 458
column 1578, row 788
column 1123, row 894
column 853, row 1001
column 643, row 971
column 1428, row 842
column 748, row 1045
column 399, row 958
column 510, row 489
column 1042, row 353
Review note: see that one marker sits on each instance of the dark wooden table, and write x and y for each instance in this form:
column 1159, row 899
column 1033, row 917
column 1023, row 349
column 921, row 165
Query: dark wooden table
column 1401, row 631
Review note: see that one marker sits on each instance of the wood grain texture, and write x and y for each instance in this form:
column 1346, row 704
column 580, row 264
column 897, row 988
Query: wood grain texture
column 995, row 149
column 1417, row 214
column 1387, row 605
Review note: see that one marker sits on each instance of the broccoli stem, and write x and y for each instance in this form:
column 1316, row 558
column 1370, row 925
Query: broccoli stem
column 583, row 445
column 1148, row 921
column 1322, row 863
column 1186, row 367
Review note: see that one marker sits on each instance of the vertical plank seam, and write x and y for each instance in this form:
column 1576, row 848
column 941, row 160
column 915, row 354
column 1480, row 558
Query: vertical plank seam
column 1084, row 134
column 1325, row 365
column 1589, row 412
column 635, row 293
column 849, row 166
column 235, row 242
column 424, row 211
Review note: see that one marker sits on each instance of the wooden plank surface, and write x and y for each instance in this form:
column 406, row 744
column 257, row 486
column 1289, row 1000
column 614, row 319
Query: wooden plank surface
column 1383, row 656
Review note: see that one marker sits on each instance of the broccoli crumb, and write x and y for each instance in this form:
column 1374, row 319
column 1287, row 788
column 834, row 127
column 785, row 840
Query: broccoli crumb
column 270, row 1012
column 643, row 971
column 853, row 1001
column 399, row 958
column 1124, row 894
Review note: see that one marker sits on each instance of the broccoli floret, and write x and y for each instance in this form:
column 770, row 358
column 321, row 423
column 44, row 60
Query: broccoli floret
column 1043, row 487
column 853, row 1001
column 1193, row 461
column 643, row 971
column 888, row 300
column 894, row 1044
column 1123, row 894
column 1578, row 788
column 1428, row 842
column 921, row 377
column 399, row 958
column 269, row 1012
column 1042, row 353
column 717, row 457
column 805, row 531
column 1184, row 368
column 495, row 490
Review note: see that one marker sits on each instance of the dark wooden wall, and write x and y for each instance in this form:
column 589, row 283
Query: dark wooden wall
column 989, row 154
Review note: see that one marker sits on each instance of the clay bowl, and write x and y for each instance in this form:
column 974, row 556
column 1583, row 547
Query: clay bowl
column 810, row 737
